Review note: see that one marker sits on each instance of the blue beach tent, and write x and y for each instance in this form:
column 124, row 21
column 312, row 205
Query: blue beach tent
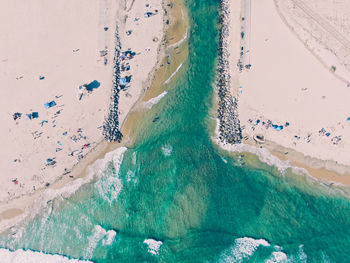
column 348, row 119
column 92, row 85
column 50, row 104
column 277, row 128
column 122, row 81
column 32, row 115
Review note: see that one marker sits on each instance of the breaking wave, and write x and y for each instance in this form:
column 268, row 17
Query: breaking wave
column 277, row 257
column 109, row 186
column 172, row 75
column 44, row 201
column 153, row 246
column 241, row 249
column 99, row 234
column 149, row 104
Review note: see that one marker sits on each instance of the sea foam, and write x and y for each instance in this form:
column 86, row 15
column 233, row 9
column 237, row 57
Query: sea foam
column 264, row 156
column 28, row 256
column 99, row 234
column 153, row 246
column 172, row 75
column 43, row 202
column 149, row 104
column 241, row 249
column 110, row 185
column 167, row 150
column 277, row 257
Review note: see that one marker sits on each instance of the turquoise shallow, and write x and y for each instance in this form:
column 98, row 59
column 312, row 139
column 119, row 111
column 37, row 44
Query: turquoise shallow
column 177, row 198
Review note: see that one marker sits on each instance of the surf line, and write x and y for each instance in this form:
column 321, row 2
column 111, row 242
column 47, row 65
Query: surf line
column 178, row 43
column 174, row 73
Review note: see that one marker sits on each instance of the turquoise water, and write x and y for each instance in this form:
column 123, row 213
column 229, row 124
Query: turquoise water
column 176, row 188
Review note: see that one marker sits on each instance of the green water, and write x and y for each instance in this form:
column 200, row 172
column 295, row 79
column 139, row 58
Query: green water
column 175, row 186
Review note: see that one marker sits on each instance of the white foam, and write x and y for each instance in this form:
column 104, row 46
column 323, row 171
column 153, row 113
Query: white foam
column 28, row 256
column 109, row 238
column 110, row 185
column 263, row 154
column 302, row 257
column 178, row 43
column 130, row 177
column 134, row 158
column 325, row 258
column 277, row 257
column 174, row 73
column 241, row 249
column 153, row 246
column 167, row 150
column 109, row 188
column 98, row 234
column 42, row 203
column 149, row 104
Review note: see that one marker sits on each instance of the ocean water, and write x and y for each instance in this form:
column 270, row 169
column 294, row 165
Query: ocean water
column 175, row 197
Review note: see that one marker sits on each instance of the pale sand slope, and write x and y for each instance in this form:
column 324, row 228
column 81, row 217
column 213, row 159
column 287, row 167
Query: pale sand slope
column 38, row 40
column 324, row 28
column 146, row 36
column 288, row 84
column 234, row 39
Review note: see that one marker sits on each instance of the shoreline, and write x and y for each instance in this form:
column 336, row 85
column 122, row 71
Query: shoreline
column 327, row 172
column 16, row 210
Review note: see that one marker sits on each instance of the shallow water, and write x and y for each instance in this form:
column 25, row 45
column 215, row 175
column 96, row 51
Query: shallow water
column 177, row 198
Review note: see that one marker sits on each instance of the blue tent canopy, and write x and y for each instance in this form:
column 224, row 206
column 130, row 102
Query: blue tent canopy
column 50, row 104
column 92, row 85
column 348, row 119
column 122, row 81
column 32, row 115
column 277, row 127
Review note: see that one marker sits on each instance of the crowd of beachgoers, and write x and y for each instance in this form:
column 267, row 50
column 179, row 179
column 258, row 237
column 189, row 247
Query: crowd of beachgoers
column 229, row 124
column 262, row 125
column 54, row 110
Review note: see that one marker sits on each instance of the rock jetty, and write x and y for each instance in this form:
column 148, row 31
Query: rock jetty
column 229, row 124
column 111, row 130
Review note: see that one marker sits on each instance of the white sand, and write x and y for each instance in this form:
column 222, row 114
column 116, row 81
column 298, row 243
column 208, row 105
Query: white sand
column 287, row 83
column 61, row 41
column 324, row 28
column 145, row 39
column 38, row 40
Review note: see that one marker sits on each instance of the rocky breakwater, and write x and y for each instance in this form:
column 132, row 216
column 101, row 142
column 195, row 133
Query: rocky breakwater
column 229, row 124
column 111, row 131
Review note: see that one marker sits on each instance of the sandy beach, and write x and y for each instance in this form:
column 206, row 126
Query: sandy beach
column 288, row 93
column 59, row 80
